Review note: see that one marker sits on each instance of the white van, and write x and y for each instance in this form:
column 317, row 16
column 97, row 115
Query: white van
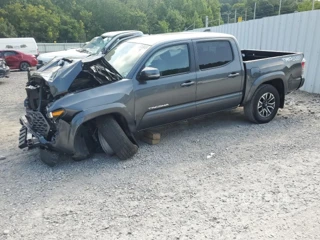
column 25, row 45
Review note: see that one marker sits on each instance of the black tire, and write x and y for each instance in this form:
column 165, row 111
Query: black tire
column 24, row 66
column 116, row 137
column 83, row 145
column 261, row 115
column 48, row 157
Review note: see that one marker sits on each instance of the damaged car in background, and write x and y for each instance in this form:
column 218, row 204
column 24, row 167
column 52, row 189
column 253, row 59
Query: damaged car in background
column 4, row 69
column 98, row 45
column 79, row 107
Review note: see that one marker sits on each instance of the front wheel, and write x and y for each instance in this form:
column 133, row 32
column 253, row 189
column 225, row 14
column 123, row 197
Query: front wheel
column 24, row 66
column 264, row 104
column 115, row 138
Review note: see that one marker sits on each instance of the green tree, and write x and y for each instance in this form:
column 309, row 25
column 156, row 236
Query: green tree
column 7, row 29
column 306, row 5
column 175, row 20
column 30, row 20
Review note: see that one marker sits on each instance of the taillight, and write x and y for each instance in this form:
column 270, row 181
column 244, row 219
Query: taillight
column 303, row 64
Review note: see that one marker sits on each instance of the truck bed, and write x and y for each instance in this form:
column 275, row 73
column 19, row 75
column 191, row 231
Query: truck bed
column 251, row 55
column 284, row 67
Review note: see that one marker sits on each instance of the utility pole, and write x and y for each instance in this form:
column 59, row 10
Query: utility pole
column 207, row 21
column 228, row 16
column 280, row 7
column 245, row 15
column 312, row 4
column 254, row 11
column 235, row 15
column 219, row 18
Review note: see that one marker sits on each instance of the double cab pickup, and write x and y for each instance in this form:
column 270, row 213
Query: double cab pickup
column 77, row 106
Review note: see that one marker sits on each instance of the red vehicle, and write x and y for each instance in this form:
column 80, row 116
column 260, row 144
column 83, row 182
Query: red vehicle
column 18, row 60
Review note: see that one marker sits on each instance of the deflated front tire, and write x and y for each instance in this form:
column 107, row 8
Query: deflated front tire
column 116, row 137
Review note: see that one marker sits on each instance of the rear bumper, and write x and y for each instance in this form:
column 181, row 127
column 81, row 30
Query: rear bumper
column 4, row 72
column 302, row 82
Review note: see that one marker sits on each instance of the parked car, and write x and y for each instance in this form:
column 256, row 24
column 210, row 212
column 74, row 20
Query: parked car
column 4, row 69
column 98, row 45
column 73, row 106
column 18, row 60
column 25, row 45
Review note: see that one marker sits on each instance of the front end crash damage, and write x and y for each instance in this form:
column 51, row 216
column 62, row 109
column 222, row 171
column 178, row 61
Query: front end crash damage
column 42, row 127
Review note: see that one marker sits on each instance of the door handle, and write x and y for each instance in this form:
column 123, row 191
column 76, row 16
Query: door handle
column 187, row 84
column 232, row 75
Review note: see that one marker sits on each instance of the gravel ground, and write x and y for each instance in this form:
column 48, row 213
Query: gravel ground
column 215, row 177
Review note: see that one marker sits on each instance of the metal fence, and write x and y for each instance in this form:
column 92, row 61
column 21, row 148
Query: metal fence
column 298, row 32
column 52, row 47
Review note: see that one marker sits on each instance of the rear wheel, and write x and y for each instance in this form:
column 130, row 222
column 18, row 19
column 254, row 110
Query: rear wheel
column 264, row 104
column 24, row 66
column 116, row 138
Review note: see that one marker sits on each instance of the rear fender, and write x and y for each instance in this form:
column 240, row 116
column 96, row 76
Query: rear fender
column 263, row 79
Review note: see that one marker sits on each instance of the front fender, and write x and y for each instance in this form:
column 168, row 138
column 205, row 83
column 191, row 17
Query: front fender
column 92, row 113
column 263, row 79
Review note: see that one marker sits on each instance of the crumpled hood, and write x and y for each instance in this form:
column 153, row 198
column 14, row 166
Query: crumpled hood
column 60, row 73
column 71, row 53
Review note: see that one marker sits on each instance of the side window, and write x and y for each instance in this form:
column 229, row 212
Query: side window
column 214, row 54
column 10, row 53
column 171, row 60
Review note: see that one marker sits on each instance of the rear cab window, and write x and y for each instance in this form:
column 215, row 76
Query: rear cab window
column 212, row 54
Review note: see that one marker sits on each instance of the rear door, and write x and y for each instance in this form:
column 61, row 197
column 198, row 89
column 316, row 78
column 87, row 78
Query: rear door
column 171, row 97
column 219, row 75
column 12, row 58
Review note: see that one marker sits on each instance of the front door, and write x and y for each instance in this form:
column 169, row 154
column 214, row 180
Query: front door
column 171, row 97
column 219, row 76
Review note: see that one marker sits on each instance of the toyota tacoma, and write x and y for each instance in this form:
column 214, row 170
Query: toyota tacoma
column 77, row 107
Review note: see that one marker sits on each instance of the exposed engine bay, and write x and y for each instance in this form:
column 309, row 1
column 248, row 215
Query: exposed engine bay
column 63, row 76
column 55, row 80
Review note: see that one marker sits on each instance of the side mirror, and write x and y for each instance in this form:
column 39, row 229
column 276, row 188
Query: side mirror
column 149, row 73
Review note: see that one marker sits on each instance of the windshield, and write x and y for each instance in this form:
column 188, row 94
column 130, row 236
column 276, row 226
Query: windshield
column 96, row 44
column 124, row 56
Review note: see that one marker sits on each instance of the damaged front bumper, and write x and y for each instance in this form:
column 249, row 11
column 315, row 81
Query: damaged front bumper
column 29, row 137
column 67, row 138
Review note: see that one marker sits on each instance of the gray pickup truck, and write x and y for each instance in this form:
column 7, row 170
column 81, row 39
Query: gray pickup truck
column 77, row 107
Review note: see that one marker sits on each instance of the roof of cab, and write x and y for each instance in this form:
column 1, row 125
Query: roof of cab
column 170, row 37
column 115, row 33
